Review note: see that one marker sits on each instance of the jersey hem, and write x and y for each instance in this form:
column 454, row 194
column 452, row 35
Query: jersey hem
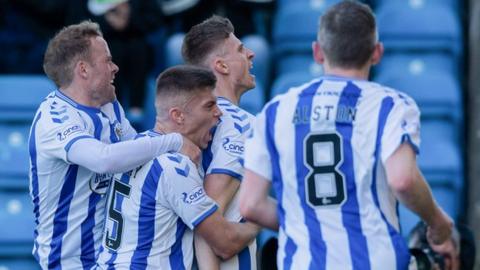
column 70, row 143
column 204, row 216
column 235, row 175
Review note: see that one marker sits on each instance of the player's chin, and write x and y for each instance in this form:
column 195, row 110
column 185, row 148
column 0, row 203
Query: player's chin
column 206, row 140
column 250, row 87
column 112, row 97
column 252, row 82
column 108, row 98
column 203, row 144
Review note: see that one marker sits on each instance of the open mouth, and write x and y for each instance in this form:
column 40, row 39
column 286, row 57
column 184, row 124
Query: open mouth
column 250, row 70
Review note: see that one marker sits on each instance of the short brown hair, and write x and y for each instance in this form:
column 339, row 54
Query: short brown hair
column 205, row 37
column 348, row 34
column 69, row 45
column 179, row 83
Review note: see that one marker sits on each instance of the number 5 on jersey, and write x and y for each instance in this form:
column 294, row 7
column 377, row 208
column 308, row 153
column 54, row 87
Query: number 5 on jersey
column 325, row 184
column 113, row 241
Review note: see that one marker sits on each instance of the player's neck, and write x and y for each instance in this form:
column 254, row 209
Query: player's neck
column 361, row 74
column 163, row 127
column 226, row 89
column 80, row 96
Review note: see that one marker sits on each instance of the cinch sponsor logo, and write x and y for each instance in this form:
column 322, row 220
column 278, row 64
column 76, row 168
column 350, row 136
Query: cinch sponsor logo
column 194, row 196
column 235, row 147
column 67, row 132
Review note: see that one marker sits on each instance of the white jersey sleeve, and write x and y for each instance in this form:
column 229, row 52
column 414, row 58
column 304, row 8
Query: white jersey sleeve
column 184, row 192
column 61, row 132
column 225, row 153
column 403, row 125
column 225, row 159
column 257, row 156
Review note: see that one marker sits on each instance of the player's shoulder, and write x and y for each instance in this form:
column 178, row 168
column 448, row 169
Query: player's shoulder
column 377, row 89
column 231, row 111
column 380, row 92
column 176, row 164
column 51, row 103
column 56, row 112
column 234, row 119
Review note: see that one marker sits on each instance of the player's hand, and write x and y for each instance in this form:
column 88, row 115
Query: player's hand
column 441, row 229
column 254, row 227
column 450, row 252
column 191, row 150
column 444, row 239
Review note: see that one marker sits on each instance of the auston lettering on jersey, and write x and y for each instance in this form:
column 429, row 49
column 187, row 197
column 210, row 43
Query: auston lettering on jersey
column 195, row 196
column 68, row 131
column 234, row 148
column 344, row 114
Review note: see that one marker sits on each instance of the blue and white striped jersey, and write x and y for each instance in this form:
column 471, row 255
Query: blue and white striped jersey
column 69, row 199
column 152, row 212
column 324, row 145
column 224, row 155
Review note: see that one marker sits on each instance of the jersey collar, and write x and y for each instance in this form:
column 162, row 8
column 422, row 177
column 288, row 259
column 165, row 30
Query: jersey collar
column 341, row 78
column 153, row 133
column 70, row 101
column 224, row 98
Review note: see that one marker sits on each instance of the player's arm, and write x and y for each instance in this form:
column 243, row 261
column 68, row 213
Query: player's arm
column 225, row 238
column 206, row 258
column 221, row 188
column 403, row 176
column 411, row 189
column 202, row 216
column 255, row 204
column 223, row 175
column 221, row 184
column 123, row 156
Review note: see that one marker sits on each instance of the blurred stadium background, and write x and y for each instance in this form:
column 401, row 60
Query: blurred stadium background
column 432, row 52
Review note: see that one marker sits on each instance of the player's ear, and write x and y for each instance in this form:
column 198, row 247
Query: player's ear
column 176, row 115
column 377, row 53
column 221, row 66
column 81, row 69
column 318, row 54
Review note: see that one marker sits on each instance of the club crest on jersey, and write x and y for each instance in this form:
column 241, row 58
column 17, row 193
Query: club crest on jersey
column 194, row 197
column 117, row 128
column 100, row 182
column 62, row 135
column 234, row 148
